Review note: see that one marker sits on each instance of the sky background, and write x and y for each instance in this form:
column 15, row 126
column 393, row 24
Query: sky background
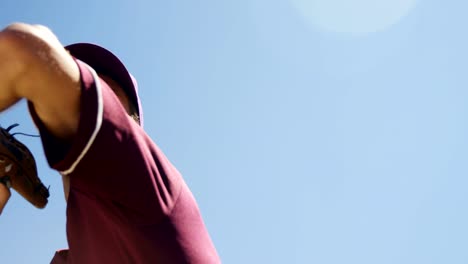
column 320, row 131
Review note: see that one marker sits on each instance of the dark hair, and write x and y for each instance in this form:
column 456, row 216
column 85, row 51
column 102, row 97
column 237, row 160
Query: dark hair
column 134, row 113
column 133, row 108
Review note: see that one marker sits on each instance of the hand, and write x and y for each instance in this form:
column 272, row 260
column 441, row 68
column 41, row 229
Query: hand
column 5, row 195
column 18, row 167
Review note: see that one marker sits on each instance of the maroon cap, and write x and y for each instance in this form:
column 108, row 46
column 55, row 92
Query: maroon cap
column 105, row 62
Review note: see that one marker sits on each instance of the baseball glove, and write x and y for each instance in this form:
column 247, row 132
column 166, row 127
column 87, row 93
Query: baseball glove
column 18, row 169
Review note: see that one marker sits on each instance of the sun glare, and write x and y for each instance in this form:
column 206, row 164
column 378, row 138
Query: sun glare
column 355, row 17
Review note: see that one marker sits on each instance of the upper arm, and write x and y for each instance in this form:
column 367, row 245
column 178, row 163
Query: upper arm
column 50, row 78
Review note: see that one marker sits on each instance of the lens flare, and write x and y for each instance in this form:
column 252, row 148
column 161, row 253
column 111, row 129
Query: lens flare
column 356, row 17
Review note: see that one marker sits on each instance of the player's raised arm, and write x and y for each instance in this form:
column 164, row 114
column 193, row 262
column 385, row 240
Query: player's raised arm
column 34, row 65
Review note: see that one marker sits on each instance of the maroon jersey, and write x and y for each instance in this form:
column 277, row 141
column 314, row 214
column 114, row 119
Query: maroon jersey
column 127, row 202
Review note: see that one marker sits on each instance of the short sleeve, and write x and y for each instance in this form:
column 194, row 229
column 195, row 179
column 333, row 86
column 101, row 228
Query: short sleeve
column 111, row 157
column 65, row 156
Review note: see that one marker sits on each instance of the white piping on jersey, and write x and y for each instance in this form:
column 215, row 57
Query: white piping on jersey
column 98, row 123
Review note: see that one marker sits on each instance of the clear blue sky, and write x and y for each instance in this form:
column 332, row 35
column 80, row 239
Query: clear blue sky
column 313, row 131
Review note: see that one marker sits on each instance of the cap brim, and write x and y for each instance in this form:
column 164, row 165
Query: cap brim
column 105, row 62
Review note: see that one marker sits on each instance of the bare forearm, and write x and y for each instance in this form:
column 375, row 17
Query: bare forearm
column 11, row 68
column 4, row 196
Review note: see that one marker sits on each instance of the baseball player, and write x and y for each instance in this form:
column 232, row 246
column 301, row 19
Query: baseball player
column 126, row 203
